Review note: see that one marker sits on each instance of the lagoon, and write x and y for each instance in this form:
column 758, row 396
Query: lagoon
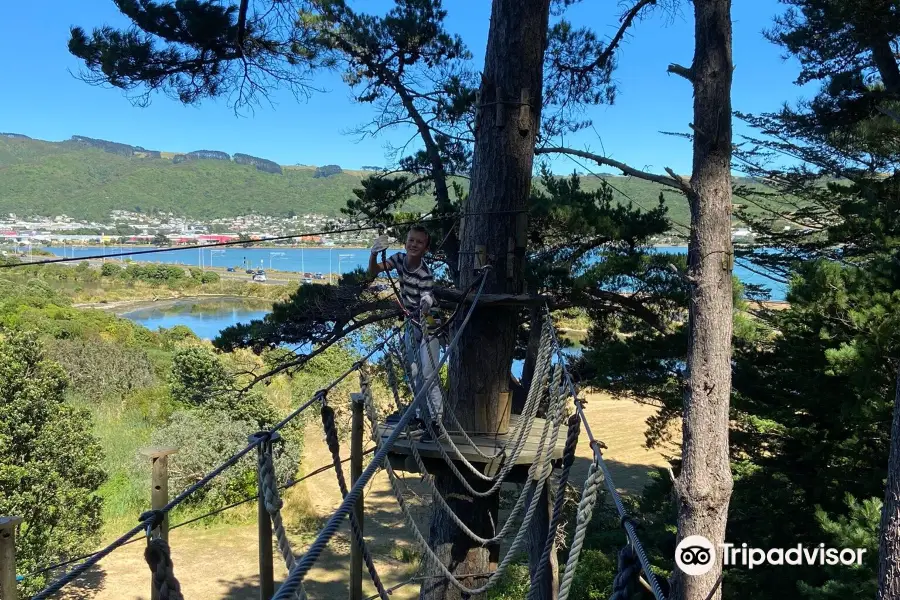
column 206, row 317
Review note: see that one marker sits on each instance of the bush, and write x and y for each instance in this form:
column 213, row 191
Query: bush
column 98, row 368
column 209, row 277
column 199, row 379
column 49, row 460
column 204, row 441
column 110, row 270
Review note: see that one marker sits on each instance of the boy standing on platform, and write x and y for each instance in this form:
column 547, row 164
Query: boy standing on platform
column 416, row 284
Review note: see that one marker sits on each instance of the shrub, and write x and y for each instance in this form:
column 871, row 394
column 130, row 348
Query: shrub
column 209, row 277
column 199, row 379
column 204, row 441
column 110, row 270
column 49, row 460
column 99, row 368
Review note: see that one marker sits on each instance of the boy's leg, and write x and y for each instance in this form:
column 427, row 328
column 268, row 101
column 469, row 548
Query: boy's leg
column 430, row 356
column 411, row 351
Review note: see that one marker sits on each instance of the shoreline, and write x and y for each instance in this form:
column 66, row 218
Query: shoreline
column 120, row 307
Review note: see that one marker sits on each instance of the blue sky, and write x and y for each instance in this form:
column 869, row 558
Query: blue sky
column 43, row 100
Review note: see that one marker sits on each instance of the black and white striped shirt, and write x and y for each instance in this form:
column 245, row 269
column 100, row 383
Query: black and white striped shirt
column 413, row 283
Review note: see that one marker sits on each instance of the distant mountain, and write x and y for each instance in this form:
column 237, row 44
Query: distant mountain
column 87, row 178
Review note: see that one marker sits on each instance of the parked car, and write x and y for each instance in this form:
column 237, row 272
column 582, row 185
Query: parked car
column 307, row 280
column 259, row 276
column 230, row 269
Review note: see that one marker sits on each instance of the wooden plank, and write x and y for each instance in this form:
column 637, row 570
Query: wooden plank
column 487, row 444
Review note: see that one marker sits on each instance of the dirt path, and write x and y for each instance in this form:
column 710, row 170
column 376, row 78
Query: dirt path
column 221, row 562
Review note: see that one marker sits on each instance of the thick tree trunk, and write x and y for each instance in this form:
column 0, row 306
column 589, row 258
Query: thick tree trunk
column 886, row 63
column 501, row 183
column 453, row 546
column 889, row 548
column 705, row 483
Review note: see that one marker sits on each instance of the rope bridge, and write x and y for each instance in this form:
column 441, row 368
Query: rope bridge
column 551, row 387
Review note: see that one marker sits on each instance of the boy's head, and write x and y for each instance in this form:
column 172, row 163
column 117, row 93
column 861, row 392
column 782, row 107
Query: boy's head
column 417, row 241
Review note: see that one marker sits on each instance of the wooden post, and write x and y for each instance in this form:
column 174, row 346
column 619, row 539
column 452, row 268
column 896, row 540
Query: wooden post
column 264, row 523
column 159, row 493
column 356, row 450
column 8, row 557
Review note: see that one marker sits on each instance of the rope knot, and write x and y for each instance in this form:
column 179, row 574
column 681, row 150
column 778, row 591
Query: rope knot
column 153, row 519
column 159, row 560
column 331, row 436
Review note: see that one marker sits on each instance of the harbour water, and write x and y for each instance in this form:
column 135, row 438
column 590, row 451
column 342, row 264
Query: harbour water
column 314, row 260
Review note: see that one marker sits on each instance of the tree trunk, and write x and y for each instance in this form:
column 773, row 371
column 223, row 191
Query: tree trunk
column 453, row 546
column 889, row 548
column 705, row 483
column 886, row 63
column 501, row 184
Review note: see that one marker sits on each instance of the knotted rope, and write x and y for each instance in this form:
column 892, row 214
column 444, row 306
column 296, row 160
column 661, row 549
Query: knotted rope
column 627, row 577
column 520, row 502
column 160, row 561
column 544, row 459
column 585, row 511
column 273, row 503
column 331, row 438
column 574, row 428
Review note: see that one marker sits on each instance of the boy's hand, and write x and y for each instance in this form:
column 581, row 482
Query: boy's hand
column 381, row 244
column 426, row 303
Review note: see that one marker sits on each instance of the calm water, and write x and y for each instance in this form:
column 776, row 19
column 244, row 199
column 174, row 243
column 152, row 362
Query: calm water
column 207, row 317
column 318, row 260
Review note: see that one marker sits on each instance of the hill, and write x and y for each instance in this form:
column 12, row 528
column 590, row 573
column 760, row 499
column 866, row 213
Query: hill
column 86, row 179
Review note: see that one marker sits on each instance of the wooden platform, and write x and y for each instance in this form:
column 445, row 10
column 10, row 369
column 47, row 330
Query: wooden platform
column 402, row 460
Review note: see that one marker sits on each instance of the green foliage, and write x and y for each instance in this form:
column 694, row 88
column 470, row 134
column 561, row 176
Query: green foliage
column 210, row 277
column 199, row 379
column 110, row 269
column 98, row 368
column 858, row 529
column 49, row 460
column 205, row 439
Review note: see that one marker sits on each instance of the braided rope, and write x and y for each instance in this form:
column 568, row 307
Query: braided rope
column 585, row 511
column 392, row 380
column 159, row 560
column 611, row 488
column 528, row 413
column 331, row 439
column 499, row 478
column 517, row 542
column 315, row 549
column 574, row 428
column 520, row 502
column 626, row 578
column 273, row 503
column 535, row 394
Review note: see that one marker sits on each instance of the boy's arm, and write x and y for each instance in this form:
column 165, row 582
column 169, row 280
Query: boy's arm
column 375, row 267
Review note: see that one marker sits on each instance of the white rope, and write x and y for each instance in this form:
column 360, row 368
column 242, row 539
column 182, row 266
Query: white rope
column 273, row 504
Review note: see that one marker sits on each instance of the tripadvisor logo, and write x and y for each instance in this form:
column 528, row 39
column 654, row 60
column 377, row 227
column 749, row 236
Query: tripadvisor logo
column 696, row 555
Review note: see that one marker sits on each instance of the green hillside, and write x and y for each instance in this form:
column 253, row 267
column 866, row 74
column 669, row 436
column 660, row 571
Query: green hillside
column 51, row 178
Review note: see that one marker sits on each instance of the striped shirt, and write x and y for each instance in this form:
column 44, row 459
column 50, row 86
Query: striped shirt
column 413, row 283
